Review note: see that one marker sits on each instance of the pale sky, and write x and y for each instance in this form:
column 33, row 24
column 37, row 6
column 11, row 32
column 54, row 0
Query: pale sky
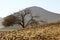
column 8, row 7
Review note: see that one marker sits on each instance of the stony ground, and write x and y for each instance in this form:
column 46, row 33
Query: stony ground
column 41, row 32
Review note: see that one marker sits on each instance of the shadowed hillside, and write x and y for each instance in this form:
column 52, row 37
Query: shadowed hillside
column 41, row 32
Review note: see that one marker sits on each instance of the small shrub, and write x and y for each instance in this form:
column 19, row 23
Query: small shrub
column 9, row 20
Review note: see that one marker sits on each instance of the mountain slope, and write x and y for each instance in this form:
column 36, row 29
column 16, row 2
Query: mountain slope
column 45, row 15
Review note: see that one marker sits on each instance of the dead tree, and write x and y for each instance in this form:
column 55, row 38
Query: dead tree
column 21, row 18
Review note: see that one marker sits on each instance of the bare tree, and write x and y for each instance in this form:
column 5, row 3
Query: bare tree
column 21, row 18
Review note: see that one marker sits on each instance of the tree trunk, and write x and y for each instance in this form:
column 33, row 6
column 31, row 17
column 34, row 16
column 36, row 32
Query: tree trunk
column 23, row 22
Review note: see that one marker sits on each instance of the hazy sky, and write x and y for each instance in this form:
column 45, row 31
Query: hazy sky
column 9, row 6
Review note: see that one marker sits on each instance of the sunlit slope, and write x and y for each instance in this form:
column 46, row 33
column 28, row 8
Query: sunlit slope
column 41, row 32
